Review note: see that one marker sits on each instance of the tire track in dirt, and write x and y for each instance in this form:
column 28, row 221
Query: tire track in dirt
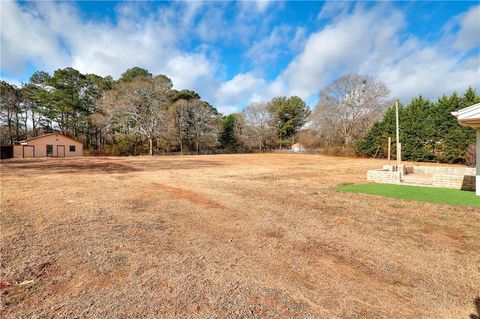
column 190, row 196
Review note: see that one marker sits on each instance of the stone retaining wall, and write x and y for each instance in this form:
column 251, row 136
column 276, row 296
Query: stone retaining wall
column 383, row 176
column 444, row 170
column 443, row 177
column 465, row 182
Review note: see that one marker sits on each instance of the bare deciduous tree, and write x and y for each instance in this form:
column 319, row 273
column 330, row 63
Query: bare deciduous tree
column 181, row 119
column 196, row 124
column 140, row 104
column 348, row 108
column 205, row 125
column 257, row 129
column 12, row 112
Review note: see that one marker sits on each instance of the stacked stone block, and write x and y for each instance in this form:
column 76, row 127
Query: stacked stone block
column 383, row 176
column 443, row 177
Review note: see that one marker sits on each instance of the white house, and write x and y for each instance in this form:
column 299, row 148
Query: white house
column 298, row 148
column 470, row 116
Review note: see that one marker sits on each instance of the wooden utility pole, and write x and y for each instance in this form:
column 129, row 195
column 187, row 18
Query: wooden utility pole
column 389, row 148
column 399, row 151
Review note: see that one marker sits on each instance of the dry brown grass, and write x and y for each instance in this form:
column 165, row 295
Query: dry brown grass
column 235, row 236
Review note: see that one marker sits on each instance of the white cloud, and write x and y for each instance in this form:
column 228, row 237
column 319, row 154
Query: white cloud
column 55, row 35
column 191, row 71
column 212, row 25
column 416, row 74
column 469, row 34
column 343, row 46
column 266, row 50
column 258, row 5
column 367, row 42
column 243, row 89
column 353, row 39
column 331, row 9
column 60, row 38
column 24, row 36
column 262, row 5
column 250, row 20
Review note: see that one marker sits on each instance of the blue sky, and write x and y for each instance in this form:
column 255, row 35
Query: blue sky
column 236, row 53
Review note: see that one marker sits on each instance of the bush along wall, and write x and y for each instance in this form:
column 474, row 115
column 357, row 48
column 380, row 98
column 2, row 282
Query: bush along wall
column 428, row 131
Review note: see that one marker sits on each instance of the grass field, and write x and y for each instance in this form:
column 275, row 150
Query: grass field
column 234, row 236
column 417, row 193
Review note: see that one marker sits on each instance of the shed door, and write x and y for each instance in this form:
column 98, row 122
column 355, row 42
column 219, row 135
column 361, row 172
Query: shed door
column 60, row 150
column 28, row 151
column 49, row 150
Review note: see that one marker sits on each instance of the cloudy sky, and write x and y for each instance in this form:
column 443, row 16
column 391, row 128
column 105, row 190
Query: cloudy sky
column 235, row 53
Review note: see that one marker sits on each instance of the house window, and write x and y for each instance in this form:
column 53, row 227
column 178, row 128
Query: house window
column 72, row 148
column 49, row 150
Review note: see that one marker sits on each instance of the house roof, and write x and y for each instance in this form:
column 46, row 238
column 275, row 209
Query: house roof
column 469, row 116
column 35, row 138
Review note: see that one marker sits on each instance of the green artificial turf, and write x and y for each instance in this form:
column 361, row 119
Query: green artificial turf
column 417, row 193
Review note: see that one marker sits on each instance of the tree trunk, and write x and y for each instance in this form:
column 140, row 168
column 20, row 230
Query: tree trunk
column 198, row 148
column 9, row 121
column 17, row 126
column 62, row 125
column 150, row 144
column 26, row 124
column 34, row 124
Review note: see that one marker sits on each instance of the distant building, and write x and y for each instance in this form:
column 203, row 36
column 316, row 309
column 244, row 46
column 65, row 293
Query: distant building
column 48, row 145
column 298, row 148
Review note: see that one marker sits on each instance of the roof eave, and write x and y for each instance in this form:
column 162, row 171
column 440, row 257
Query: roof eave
column 471, row 123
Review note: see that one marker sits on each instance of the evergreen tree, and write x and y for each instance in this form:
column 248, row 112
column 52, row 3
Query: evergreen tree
column 428, row 131
column 415, row 131
column 375, row 143
column 227, row 137
column 289, row 115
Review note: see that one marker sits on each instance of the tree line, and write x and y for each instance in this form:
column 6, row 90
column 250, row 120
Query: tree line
column 355, row 116
column 428, row 131
column 140, row 113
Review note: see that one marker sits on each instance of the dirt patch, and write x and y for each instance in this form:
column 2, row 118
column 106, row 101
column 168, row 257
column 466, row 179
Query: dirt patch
column 227, row 236
column 190, row 196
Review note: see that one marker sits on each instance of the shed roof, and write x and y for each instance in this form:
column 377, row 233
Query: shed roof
column 37, row 137
column 469, row 116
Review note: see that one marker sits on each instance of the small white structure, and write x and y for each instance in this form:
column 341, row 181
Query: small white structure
column 470, row 116
column 298, row 148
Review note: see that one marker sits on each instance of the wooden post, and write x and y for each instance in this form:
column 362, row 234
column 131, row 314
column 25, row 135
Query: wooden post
column 389, row 148
column 398, row 167
column 399, row 152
